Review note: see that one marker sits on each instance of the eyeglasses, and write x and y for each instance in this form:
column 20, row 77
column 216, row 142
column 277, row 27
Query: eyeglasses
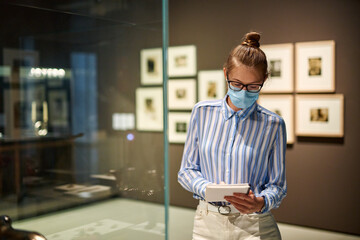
column 238, row 86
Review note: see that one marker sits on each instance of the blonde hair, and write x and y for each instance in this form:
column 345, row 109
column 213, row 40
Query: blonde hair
column 248, row 53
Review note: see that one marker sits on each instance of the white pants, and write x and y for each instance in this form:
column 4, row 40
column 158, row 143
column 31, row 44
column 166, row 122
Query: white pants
column 210, row 225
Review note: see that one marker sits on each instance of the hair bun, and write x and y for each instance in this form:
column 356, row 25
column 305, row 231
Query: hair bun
column 252, row 39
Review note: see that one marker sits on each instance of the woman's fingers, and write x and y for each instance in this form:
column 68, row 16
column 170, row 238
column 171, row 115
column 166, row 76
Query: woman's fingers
column 249, row 197
column 245, row 203
column 239, row 201
column 242, row 209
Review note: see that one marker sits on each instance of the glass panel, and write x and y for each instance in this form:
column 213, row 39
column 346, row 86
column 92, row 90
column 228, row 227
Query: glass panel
column 81, row 133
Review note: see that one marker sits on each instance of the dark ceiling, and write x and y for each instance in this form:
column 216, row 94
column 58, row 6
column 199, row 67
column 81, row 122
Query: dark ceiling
column 77, row 21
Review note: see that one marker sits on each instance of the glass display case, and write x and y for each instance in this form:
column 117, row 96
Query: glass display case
column 81, row 130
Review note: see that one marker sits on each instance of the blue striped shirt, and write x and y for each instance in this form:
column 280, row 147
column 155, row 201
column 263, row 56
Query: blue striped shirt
column 247, row 146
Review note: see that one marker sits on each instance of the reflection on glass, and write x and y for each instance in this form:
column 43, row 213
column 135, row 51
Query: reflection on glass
column 63, row 75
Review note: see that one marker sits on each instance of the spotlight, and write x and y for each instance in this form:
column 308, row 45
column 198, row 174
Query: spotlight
column 130, row 137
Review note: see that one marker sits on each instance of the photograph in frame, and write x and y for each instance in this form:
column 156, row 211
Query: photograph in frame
column 149, row 109
column 280, row 65
column 58, row 108
column 182, row 61
column 282, row 105
column 211, row 85
column 178, row 126
column 151, row 66
column 18, row 109
column 319, row 115
column 315, row 67
column 181, row 94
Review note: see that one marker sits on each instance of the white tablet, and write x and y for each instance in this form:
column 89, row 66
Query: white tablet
column 217, row 192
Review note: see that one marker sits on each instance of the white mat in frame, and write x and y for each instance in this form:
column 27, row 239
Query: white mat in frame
column 178, row 126
column 181, row 94
column 320, row 115
column 315, row 66
column 211, row 85
column 151, row 66
column 283, row 105
column 280, row 63
column 149, row 109
column 182, row 61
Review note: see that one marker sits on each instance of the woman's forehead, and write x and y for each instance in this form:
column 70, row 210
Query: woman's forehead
column 245, row 73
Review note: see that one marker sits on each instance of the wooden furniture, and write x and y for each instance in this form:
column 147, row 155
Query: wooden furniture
column 16, row 145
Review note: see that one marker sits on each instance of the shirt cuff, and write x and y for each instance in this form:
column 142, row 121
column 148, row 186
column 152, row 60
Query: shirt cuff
column 199, row 186
column 265, row 208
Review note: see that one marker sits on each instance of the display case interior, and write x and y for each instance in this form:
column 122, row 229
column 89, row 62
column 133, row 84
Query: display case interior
column 69, row 71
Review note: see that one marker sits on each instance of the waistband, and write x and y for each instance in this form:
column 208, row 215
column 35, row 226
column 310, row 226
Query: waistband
column 224, row 210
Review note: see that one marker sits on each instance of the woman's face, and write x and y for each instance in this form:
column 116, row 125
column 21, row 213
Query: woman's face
column 245, row 75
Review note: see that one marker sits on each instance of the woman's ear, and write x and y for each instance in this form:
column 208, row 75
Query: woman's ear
column 224, row 69
column 266, row 77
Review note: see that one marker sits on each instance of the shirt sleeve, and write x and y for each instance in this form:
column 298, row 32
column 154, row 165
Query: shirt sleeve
column 276, row 188
column 189, row 175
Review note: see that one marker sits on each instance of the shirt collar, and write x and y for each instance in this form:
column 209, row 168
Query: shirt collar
column 228, row 112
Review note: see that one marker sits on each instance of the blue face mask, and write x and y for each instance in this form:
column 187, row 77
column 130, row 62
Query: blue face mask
column 242, row 99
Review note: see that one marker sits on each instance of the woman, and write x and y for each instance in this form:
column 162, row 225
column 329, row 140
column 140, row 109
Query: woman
column 234, row 140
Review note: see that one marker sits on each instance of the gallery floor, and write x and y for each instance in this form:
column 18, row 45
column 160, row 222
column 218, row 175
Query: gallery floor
column 128, row 219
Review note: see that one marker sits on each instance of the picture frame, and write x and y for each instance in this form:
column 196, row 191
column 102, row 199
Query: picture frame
column 211, row 85
column 178, row 126
column 149, row 109
column 58, row 108
column 19, row 112
column 281, row 68
column 315, row 67
column 320, row 115
column 181, row 94
column 182, row 61
column 16, row 108
column 151, row 66
column 283, row 105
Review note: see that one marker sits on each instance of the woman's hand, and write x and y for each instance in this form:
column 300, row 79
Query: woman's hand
column 246, row 203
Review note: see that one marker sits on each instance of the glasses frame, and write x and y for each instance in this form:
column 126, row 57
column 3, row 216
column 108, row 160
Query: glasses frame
column 244, row 85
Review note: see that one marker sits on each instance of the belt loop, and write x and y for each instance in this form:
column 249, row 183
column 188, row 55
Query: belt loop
column 207, row 209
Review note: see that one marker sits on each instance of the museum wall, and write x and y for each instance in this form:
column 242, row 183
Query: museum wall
column 322, row 173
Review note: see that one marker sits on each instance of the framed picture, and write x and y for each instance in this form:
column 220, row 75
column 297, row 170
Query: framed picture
column 182, row 61
column 315, row 66
column 58, row 108
column 20, row 113
column 151, row 66
column 280, row 64
column 181, row 94
column 211, row 85
column 16, row 108
column 178, row 126
column 282, row 105
column 320, row 115
column 149, row 109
